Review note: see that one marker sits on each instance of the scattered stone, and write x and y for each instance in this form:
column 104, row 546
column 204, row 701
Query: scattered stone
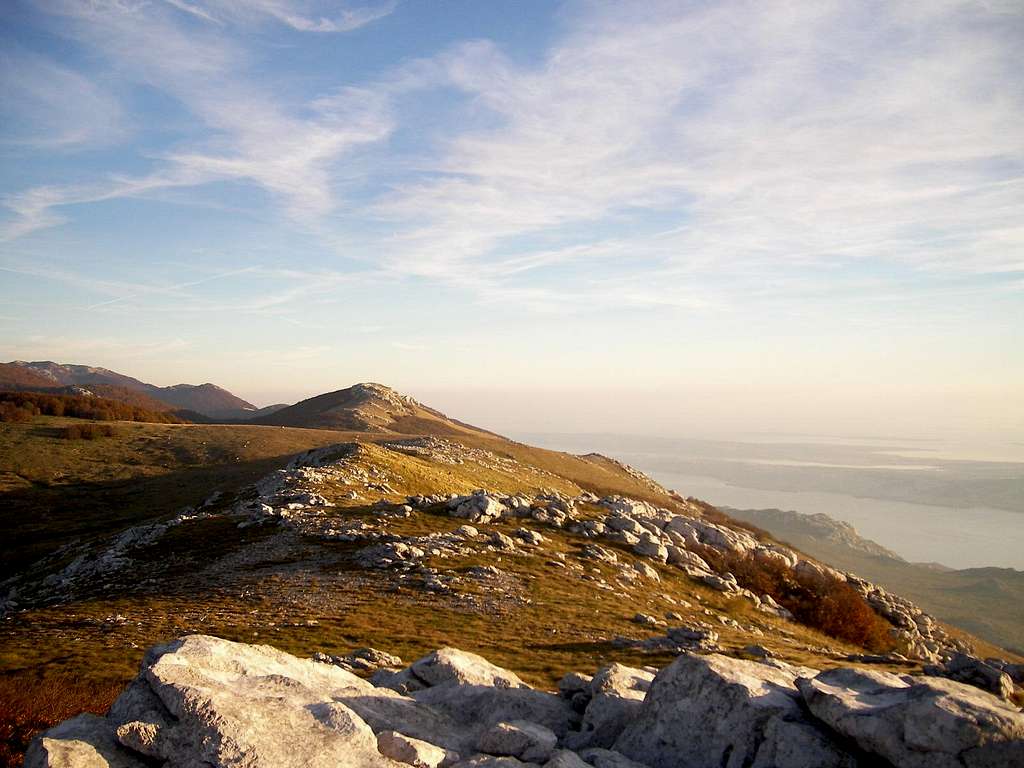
column 361, row 660
column 757, row 652
column 967, row 669
column 694, row 637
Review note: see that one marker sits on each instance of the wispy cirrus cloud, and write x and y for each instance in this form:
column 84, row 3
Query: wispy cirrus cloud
column 689, row 156
column 254, row 135
column 803, row 135
column 48, row 106
column 302, row 16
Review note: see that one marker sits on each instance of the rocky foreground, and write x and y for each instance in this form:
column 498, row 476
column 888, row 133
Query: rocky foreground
column 202, row 701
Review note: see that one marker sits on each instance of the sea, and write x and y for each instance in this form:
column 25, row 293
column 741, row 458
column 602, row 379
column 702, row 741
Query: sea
column 812, row 474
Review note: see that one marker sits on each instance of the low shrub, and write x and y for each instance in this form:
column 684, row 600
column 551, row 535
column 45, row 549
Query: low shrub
column 13, row 412
column 827, row 604
column 86, row 431
column 30, row 706
column 838, row 610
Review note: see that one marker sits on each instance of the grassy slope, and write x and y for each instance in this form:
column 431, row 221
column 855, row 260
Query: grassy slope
column 258, row 585
column 55, row 490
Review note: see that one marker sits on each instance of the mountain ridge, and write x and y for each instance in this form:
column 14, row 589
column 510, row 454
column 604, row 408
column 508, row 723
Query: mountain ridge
column 367, row 406
column 207, row 399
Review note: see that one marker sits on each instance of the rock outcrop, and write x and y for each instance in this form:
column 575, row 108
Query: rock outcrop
column 202, row 701
column 917, row 722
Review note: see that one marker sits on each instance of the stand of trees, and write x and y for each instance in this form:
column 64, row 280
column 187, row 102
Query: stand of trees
column 24, row 406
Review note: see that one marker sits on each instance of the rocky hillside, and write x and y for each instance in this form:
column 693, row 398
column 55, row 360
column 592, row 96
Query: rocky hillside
column 206, row 399
column 18, row 376
column 366, row 407
column 541, row 561
column 988, row 602
column 204, row 701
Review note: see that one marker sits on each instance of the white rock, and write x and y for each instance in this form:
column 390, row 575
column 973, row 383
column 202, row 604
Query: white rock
column 86, row 741
column 617, row 692
column 521, row 739
column 452, row 665
column 477, row 707
column 923, row 722
column 649, row 546
column 623, row 523
column 715, row 710
column 680, row 556
column 215, row 702
column 724, row 583
column 405, row 749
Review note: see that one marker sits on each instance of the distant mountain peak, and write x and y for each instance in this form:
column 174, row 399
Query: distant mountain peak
column 366, row 406
column 371, row 390
column 207, row 399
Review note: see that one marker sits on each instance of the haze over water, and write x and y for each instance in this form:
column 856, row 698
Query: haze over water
column 742, row 475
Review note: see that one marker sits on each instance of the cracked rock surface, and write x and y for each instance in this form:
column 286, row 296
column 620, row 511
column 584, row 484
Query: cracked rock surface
column 203, row 701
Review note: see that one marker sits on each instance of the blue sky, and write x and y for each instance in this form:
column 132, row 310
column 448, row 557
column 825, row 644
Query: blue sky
column 727, row 215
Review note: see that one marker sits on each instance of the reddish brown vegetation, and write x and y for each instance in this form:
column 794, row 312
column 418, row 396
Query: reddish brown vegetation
column 30, row 706
column 826, row 604
column 11, row 412
column 21, row 406
column 86, row 431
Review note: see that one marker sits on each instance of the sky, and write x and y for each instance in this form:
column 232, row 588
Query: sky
column 661, row 217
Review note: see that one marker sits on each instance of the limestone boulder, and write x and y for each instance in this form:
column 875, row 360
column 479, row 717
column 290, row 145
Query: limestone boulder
column 716, row 710
column 680, row 557
column 652, row 547
column 973, row 671
column 478, row 707
column 240, row 704
column 452, row 665
column 917, row 722
column 530, row 742
column 414, row 752
column 86, row 741
column 616, row 693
